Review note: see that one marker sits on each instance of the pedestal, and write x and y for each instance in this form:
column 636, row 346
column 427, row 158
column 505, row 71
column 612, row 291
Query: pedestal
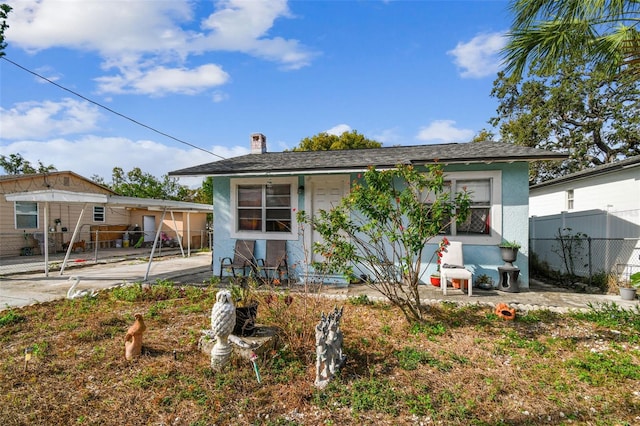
column 508, row 278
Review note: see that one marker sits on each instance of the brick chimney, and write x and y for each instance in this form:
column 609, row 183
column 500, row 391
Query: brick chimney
column 258, row 143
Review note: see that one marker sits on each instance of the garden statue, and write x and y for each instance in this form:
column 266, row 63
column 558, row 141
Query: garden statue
column 329, row 356
column 223, row 319
column 133, row 339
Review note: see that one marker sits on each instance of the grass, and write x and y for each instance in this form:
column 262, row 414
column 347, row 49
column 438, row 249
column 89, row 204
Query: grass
column 464, row 366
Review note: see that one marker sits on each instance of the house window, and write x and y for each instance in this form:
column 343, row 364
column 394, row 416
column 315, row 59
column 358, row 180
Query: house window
column 98, row 213
column 262, row 207
column 484, row 223
column 479, row 220
column 570, row 199
column 26, row 215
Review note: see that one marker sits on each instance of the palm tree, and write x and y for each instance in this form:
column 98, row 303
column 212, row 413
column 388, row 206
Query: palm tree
column 545, row 32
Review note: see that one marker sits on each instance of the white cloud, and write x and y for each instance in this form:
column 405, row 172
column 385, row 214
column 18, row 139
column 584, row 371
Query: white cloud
column 338, row 130
column 445, row 131
column 141, row 37
column 35, row 120
column 479, row 57
column 388, row 136
column 102, row 26
column 160, row 80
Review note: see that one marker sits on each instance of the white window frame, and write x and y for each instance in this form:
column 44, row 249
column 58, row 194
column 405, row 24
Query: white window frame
column 570, row 199
column 495, row 210
column 104, row 214
column 15, row 214
column 233, row 207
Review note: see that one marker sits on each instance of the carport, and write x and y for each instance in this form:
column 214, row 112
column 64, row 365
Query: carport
column 58, row 196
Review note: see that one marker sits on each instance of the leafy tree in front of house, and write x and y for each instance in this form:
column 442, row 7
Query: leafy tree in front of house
column 326, row 142
column 16, row 164
column 581, row 111
column 384, row 225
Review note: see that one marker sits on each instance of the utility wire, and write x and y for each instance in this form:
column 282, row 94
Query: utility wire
column 111, row 110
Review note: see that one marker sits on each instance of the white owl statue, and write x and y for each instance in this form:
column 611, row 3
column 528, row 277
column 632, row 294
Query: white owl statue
column 223, row 319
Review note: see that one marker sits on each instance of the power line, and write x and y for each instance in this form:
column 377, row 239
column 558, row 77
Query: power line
column 111, row 110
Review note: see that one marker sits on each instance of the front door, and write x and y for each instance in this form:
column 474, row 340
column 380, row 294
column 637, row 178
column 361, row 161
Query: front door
column 149, row 228
column 326, row 193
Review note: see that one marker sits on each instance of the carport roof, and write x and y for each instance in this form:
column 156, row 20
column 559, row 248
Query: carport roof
column 58, row 196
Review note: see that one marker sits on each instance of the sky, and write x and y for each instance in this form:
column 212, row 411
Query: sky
column 164, row 85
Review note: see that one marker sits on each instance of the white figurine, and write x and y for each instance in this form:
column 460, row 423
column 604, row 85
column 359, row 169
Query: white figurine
column 223, row 319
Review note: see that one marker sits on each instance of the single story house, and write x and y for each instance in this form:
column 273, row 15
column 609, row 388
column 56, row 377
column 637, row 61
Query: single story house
column 601, row 202
column 54, row 207
column 256, row 196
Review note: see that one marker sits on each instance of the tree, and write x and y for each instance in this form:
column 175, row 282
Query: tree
column 546, row 32
column 137, row 183
column 483, row 136
column 15, row 164
column 582, row 111
column 326, row 142
column 384, row 225
column 204, row 194
column 4, row 13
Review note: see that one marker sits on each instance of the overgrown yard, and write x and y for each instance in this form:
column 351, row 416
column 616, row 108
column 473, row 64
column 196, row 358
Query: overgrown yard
column 465, row 366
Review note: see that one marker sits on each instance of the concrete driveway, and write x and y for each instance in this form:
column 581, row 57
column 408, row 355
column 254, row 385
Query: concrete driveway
column 29, row 288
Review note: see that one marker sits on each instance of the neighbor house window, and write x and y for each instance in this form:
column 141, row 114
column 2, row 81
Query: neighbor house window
column 26, row 215
column 570, row 199
column 98, row 213
column 484, row 220
column 264, row 206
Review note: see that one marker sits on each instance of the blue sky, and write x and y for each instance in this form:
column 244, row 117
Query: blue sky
column 210, row 73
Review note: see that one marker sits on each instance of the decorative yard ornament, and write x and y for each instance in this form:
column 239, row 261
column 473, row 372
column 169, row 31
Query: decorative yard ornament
column 72, row 293
column 223, row 319
column 133, row 338
column 329, row 356
column 505, row 312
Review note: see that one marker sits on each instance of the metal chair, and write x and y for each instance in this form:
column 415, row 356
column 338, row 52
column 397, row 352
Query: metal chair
column 242, row 258
column 452, row 267
column 275, row 264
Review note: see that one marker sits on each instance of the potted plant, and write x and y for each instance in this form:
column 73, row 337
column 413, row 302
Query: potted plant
column 509, row 251
column 243, row 295
column 629, row 292
column 484, row 282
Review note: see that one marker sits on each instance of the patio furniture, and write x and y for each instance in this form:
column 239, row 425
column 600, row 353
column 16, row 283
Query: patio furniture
column 453, row 267
column 242, row 258
column 275, row 266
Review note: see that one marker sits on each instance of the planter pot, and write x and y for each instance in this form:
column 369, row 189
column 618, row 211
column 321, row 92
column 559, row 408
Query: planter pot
column 246, row 320
column 509, row 255
column 628, row 293
column 457, row 283
column 435, row 280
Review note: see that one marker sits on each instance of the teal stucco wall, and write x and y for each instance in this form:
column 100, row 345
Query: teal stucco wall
column 481, row 258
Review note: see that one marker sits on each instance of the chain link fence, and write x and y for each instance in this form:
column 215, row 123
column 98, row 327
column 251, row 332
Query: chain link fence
column 22, row 252
column 586, row 258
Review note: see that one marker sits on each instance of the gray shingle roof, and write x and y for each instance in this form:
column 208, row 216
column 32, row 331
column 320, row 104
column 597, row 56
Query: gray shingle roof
column 358, row 159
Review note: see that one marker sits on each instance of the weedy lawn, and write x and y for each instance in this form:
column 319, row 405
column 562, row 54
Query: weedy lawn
column 465, row 366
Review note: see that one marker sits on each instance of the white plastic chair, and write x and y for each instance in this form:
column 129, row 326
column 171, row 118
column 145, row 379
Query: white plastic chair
column 452, row 267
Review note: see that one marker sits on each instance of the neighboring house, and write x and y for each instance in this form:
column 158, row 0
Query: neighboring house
column 256, row 196
column 602, row 202
column 99, row 214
